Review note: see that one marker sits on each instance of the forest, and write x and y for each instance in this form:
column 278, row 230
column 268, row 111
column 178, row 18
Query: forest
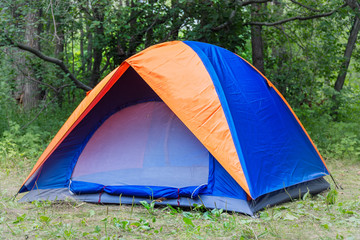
column 52, row 52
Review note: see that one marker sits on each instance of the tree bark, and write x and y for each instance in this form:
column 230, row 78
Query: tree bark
column 257, row 45
column 347, row 55
column 89, row 55
column 98, row 47
column 59, row 53
column 30, row 88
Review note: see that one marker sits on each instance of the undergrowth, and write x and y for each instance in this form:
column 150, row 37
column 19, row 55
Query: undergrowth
column 25, row 134
column 337, row 136
column 324, row 216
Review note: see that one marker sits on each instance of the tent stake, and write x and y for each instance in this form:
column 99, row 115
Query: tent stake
column 336, row 185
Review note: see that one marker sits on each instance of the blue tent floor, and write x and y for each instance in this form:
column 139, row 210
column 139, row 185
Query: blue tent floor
column 227, row 204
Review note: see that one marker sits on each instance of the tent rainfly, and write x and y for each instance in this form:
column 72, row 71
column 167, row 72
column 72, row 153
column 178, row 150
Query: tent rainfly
column 187, row 122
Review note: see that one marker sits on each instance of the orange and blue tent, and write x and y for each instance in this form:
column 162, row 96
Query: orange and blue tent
column 187, row 122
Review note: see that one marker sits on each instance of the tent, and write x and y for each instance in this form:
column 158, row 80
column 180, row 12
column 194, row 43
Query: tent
column 181, row 123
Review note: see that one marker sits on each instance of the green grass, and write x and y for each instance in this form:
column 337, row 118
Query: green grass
column 317, row 217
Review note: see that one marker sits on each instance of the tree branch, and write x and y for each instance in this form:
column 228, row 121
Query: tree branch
column 354, row 5
column 86, row 11
column 297, row 18
column 106, row 65
column 35, row 80
column 221, row 26
column 304, row 6
column 288, row 36
column 52, row 60
column 242, row 4
column 54, row 22
column 233, row 13
column 38, row 114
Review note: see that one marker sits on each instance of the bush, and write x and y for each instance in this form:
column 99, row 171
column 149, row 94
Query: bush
column 336, row 136
column 22, row 144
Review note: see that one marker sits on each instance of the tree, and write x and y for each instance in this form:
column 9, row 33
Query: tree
column 30, row 90
column 86, row 38
column 355, row 6
column 110, row 32
column 293, row 45
column 257, row 44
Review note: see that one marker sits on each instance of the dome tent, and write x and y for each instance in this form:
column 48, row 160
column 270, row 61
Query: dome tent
column 186, row 122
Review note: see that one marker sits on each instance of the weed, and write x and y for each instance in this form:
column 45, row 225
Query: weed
column 173, row 211
column 149, row 206
column 188, row 221
column 20, row 218
column 331, row 196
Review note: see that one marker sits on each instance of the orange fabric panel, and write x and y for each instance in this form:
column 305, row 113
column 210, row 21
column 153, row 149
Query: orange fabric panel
column 292, row 111
column 176, row 73
column 92, row 97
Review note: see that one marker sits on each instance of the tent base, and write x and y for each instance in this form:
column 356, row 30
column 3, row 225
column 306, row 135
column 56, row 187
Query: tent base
column 227, row 204
column 285, row 195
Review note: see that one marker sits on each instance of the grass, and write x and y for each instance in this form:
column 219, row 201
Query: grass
column 317, row 217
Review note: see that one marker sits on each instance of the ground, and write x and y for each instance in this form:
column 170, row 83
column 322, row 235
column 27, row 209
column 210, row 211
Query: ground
column 334, row 214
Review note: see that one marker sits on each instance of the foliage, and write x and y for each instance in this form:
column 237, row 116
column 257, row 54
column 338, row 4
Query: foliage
column 149, row 206
column 17, row 144
column 6, row 103
column 303, row 57
column 338, row 139
column 25, row 134
column 331, row 196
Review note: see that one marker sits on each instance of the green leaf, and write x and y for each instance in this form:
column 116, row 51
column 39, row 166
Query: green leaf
column 20, row 218
column 290, row 217
column 97, row 229
column 306, row 195
column 91, row 213
column 265, row 216
column 188, row 221
column 331, row 197
column 44, row 219
column 325, row 226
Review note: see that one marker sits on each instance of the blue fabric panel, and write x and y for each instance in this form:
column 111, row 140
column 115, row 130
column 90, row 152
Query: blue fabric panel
column 211, row 177
column 54, row 174
column 79, row 187
column 273, row 149
column 224, row 185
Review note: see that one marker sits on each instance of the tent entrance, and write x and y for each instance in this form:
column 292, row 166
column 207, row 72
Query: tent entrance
column 143, row 150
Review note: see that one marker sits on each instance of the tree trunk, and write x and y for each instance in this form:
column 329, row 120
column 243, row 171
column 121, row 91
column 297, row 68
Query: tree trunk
column 174, row 34
column 89, row 55
column 257, row 45
column 98, row 46
column 347, row 55
column 149, row 34
column 59, row 54
column 135, row 39
column 30, row 88
column 18, row 61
